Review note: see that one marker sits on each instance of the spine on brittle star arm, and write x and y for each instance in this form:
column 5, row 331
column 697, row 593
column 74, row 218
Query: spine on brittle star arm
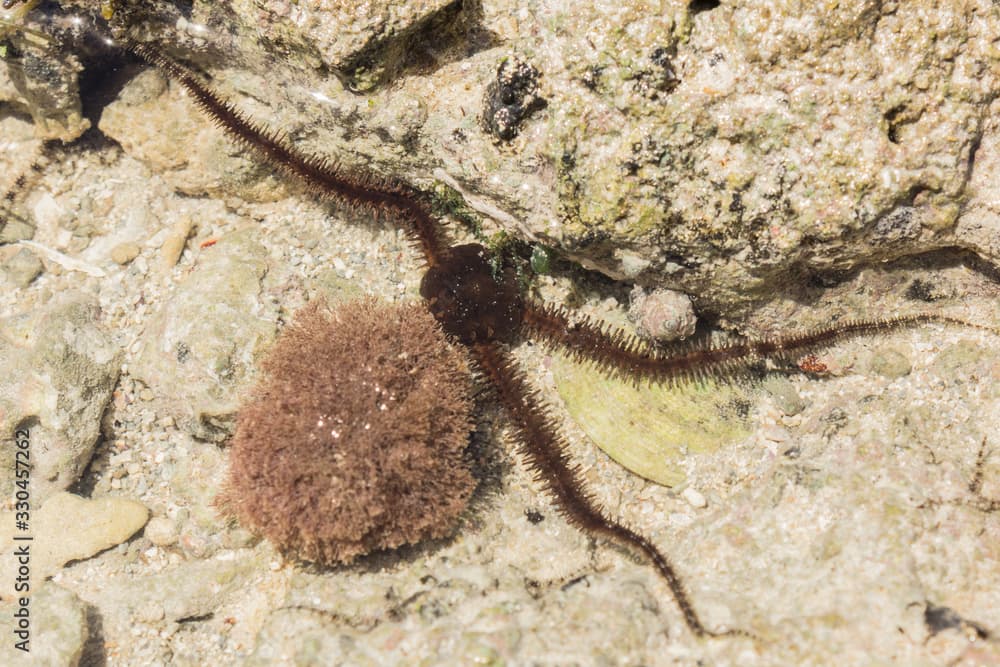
column 321, row 176
column 545, row 453
column 619, row 352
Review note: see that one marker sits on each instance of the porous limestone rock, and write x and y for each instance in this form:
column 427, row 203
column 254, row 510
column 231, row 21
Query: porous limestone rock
column 200, row 347
column 60, row 367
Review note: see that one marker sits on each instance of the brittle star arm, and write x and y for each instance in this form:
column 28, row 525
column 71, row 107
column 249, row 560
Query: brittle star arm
column 546, row 455
column 322, row 177
column 981, row 502
column 618, row 352
column 19, row 186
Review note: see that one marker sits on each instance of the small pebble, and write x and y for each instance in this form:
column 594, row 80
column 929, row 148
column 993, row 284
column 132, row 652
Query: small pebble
column 123, row 253
column 150, row 612
column 786, row 396
column 694, row 498
column 195, row 545
column 16, row 230
column 174, row 244
column 161, row 531
column 22, row 268
column 48, row 214
column 891, row 362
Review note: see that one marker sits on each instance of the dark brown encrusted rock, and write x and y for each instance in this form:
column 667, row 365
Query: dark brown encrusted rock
column 354, row 440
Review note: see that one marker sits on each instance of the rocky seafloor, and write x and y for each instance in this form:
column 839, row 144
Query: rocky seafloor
column 151, row 262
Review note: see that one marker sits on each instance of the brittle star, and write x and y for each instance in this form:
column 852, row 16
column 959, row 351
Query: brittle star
column 485, row 310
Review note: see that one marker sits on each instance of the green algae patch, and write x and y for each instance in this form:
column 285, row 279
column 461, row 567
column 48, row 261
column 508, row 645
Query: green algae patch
column 650, row 429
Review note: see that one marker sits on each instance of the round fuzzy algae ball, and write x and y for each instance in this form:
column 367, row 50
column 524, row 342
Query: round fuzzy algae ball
column 355, row 438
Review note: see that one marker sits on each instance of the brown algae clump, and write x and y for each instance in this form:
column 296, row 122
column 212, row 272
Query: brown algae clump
column 354, row 440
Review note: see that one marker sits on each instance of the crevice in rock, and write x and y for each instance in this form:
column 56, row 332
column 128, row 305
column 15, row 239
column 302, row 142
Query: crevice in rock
column 699, row 6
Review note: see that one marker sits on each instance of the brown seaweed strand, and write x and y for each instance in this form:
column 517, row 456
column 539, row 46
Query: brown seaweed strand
column 547, row 457
column 618, row 352
column 324, row 178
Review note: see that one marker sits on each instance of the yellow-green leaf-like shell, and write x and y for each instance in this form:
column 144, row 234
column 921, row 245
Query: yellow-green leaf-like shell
column 650, row 428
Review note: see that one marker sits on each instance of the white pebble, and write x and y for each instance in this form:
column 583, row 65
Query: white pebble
column 161, row 531
column 47, row 213
column 694, row 498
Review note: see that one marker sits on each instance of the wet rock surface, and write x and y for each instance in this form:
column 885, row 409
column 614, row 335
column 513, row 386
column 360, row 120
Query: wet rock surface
column 61, row 366
column 198, row 350
column 727, row 164
column 45, row 84
column 59, row 629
